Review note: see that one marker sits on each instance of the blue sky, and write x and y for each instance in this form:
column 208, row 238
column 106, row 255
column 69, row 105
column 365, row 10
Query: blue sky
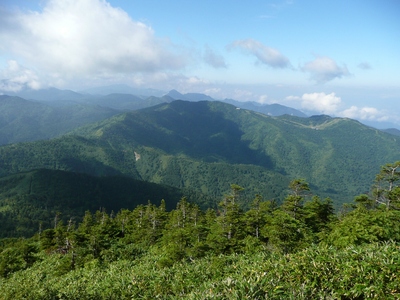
column 340, row 58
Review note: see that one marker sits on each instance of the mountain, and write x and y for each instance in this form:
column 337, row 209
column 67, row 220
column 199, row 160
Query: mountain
column 267, row 109
column 126, row 101
column 174, row 94
column 48, row 95
column 22, row 120
column 123, row 89
column 206, row 146
column 393, row 131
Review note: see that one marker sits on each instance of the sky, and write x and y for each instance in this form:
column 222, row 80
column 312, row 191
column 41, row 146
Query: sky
column 340, row 58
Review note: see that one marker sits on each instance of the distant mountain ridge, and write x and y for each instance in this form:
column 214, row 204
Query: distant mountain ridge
column 150, row 97
column 47, row 113
column 268, row 109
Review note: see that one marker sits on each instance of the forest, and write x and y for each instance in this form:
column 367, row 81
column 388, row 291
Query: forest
column 300, row 248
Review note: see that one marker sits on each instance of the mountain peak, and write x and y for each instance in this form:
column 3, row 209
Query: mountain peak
column 174, row 94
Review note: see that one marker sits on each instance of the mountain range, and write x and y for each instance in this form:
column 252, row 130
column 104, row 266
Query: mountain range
column 173, row 148
column 32, row 115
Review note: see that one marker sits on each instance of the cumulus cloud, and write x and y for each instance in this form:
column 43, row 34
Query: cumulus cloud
column 213, row 59
column 321, row 102
column 365, row 113
column 325, row 103
column 264, row 54
column 86, row 37
column 331, row 104
column 16, row 77
column 324, row 69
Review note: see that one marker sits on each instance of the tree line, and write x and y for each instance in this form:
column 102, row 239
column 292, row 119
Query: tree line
column 188, row 233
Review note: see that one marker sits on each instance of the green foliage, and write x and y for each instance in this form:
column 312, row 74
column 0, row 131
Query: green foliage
column 365, row 226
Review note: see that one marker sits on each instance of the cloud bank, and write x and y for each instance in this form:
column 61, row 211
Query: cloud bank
column 365, row 113
column 86, row 37
column 331, row 104
column 264, row 54
column 323, row 69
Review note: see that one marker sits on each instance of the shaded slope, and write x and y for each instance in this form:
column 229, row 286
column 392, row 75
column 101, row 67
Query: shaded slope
column 28, row 199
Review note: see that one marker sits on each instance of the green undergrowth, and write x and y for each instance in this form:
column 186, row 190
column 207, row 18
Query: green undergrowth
column 318, row 272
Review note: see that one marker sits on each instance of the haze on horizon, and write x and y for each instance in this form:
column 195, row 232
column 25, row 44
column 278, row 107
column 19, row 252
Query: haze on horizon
column 329, row 57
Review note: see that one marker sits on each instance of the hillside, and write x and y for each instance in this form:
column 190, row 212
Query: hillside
column 206, row 146
column 22, row 120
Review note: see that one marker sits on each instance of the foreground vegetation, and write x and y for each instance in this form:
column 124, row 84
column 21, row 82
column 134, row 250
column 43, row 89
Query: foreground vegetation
column 297, row 250
column 357, row 272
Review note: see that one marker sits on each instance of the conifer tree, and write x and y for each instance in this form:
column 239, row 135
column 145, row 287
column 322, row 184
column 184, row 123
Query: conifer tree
column 387, row 190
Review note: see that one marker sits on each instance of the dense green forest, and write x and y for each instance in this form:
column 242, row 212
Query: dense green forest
column 297, row 249
column 31, row 199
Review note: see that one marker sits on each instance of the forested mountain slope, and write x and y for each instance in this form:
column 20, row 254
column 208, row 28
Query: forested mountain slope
column 206, row 146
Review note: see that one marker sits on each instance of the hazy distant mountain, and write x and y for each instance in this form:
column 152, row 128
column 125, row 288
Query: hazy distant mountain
column 123, row 89
column 50, row 94
column 174, row 94
column 127, row 101
column 267, row 109
column 22, row 120
column 393, row 131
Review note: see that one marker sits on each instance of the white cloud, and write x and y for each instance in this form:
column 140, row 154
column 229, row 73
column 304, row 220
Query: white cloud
column 263, row 99
column 320, row 102
column 86, row 37
column 365, row 113
column 264, row 54
column 324, row 69
column 331, row 104
column 16, row 77
column 213, row 59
